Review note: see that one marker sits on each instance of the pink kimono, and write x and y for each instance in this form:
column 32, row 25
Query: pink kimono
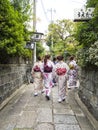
column 61, row 70
column 48, row 77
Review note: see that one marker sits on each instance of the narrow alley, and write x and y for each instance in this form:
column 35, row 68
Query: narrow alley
column 26, row 112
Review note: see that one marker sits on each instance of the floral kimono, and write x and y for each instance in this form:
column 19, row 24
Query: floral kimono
column 72, row 78
column 37, row 75
column 48, row 77
column 72, row 74
column 61, row 70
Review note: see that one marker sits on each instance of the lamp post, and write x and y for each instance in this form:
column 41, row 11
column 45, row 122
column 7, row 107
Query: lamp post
column 34, row 29
column 36, row 37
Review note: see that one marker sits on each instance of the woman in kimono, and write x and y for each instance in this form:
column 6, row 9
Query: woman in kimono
column 61, row 69
column 73, row 73
column 47, row 69
column 37, row 75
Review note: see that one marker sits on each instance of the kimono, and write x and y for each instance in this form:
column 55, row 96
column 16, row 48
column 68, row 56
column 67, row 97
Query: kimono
column 48, row 77
column 60, row 71
column 37, row 75
column 72, row 78
column 72, row 74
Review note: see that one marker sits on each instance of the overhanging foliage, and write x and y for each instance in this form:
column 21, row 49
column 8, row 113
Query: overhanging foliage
column 87, row 36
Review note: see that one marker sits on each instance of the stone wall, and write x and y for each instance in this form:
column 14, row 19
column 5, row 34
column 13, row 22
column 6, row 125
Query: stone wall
column 88, row 91
column 12, row 77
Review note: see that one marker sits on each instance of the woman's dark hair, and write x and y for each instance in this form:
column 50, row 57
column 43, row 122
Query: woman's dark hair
column 46, row 58
column 59, row 58
column 71, row 58
column 38, row 58
column 54, row 59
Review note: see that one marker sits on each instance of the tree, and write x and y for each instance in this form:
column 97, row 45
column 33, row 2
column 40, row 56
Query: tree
column 11, row 32
column 40, row 50
column 24, row 8
column 62, row 35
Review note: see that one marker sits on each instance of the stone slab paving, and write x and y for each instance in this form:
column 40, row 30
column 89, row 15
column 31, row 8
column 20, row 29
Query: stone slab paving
column 26, row 120
column 22, row 129
column 44, row 126
column 44, row 115
column 26, row 112
column 63, row 111
column 66, row 127
column 65, row 119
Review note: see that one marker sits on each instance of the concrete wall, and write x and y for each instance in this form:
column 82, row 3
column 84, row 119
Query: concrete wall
column 88, row 91
column 12, row 77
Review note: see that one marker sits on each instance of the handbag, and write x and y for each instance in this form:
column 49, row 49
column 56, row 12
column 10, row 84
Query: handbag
column 31, row 80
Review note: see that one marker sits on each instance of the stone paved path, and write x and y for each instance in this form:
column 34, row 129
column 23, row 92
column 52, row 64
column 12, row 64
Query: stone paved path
column 26, row 112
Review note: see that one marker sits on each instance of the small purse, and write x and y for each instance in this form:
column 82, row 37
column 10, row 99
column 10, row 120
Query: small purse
column 31, row 80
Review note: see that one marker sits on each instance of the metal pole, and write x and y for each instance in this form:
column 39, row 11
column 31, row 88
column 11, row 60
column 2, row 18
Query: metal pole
column 34, row 52
column 51, row 16
column 51, row 13
column 34, row 15
column 34, row 27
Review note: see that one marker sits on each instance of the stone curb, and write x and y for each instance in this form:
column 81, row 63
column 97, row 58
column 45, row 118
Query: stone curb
column 92, row 120
column 6, row 101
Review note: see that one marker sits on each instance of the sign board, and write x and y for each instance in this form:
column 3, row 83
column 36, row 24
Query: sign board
column 84, row 14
